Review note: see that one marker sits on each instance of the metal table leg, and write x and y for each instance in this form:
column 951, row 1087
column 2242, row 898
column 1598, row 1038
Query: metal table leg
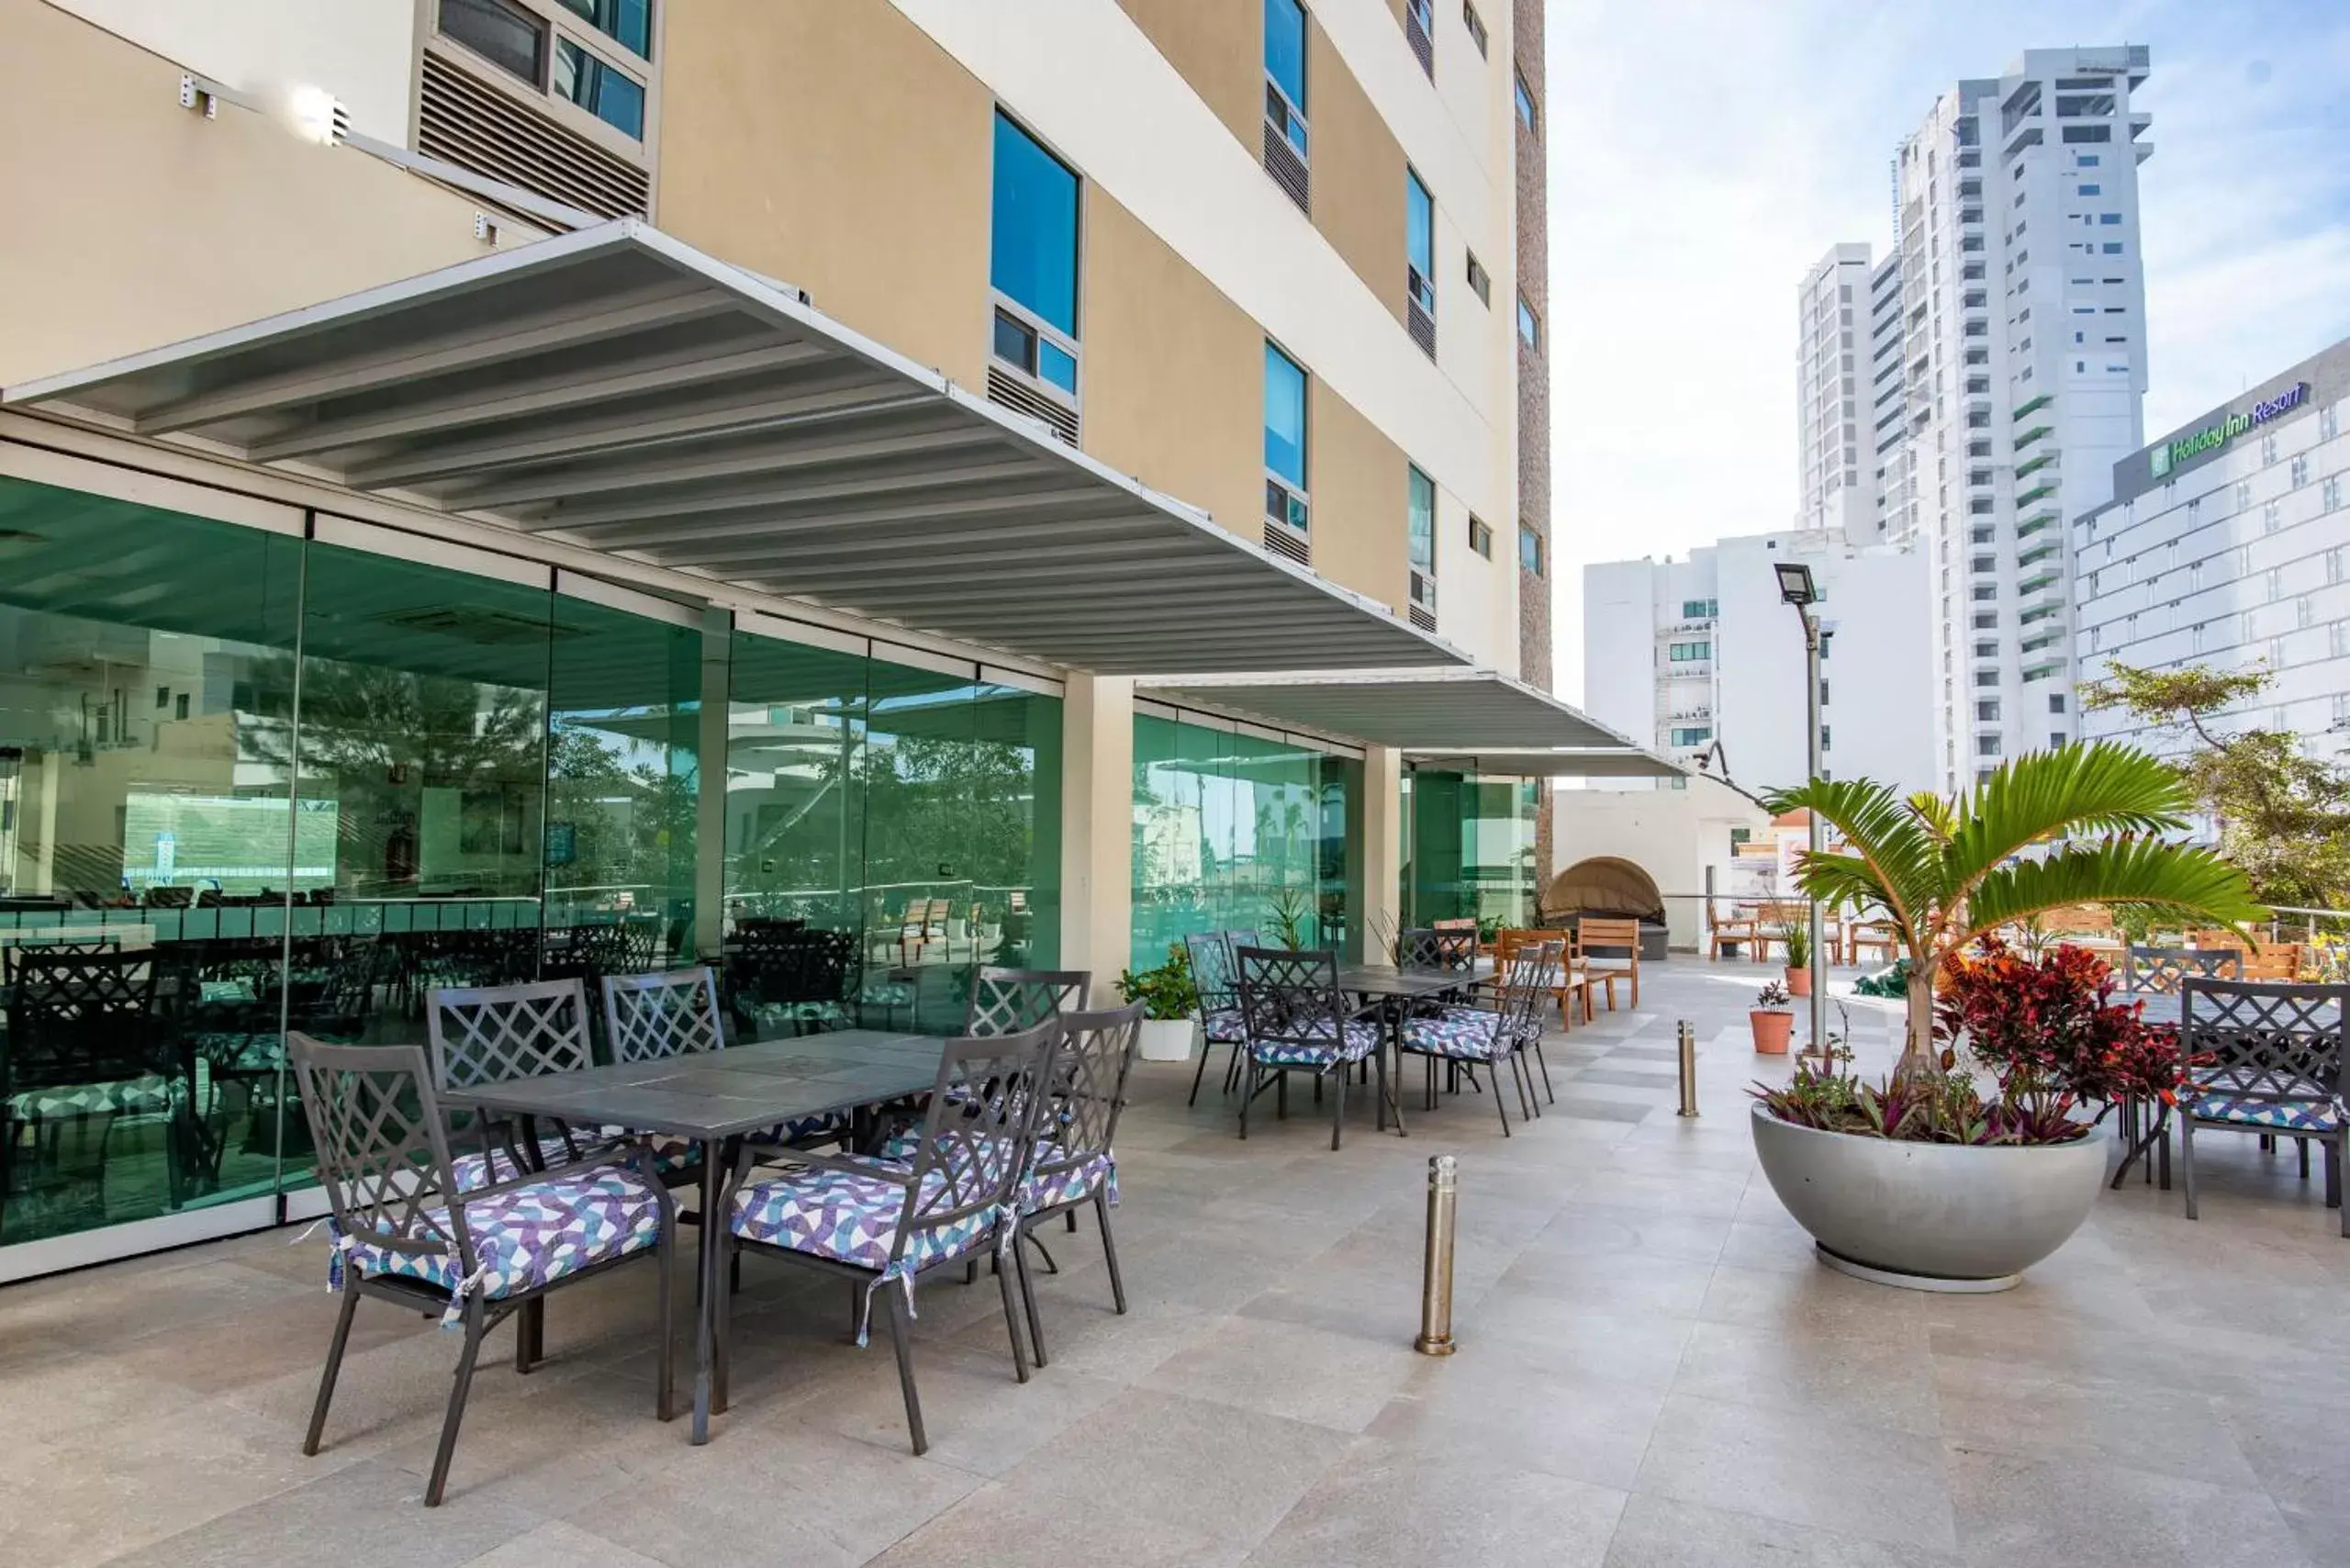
column 706, row 1303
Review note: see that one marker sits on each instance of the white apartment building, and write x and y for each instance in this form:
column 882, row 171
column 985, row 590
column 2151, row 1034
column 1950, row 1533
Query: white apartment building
column 1893, row 486
column 2226, row 544
column 1702, row 656
column 1831, row 370
column 2021, row 314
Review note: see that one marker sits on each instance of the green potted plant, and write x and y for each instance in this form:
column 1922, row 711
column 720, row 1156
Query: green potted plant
column 1796, row 936
column 1774, row 1021
column 1293, row 915
column 1171, row 999
column 1922, row 1182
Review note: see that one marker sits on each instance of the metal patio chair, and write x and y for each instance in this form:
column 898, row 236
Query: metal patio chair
column 1299, row 1021
column 406, row 1232
column 1075, row 1164
column 1498, row 1033
column 1011, row 1002
column 882, row 1226
column 491, row 1034
column 1438, row 948
column 2264, row 1057
column 1218, row 984
column 2160, row 970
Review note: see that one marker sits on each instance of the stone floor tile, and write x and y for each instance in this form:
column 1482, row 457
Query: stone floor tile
column 1876, row 1374
column 1290, row 1370
column 365, row 1516
column 2094, row 1516
column 1657, row 1533
column 558, row 1545
column 1006, row 1527
column 1998, row 1407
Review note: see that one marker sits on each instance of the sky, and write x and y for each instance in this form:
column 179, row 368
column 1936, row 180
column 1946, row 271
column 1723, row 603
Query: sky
column 1704, row 154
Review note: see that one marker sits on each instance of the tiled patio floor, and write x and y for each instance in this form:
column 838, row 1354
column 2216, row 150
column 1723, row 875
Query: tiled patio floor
column 1652, row 1370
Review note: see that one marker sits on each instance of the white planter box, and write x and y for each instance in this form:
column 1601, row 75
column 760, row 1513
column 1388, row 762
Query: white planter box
column 1168, row 1039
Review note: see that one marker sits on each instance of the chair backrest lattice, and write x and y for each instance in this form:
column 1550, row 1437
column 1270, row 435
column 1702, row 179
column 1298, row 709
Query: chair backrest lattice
column 986, row 1105
column 667, row 1013
column 1438, row 948
column 491, row 1034
column 383, row 1150
column 1090, row 1085
column 1012, row 1002
column 1212, row 972
column 1528, row 986
column 1290, row 997
column 2263, row 1041
column 2161, row 969
column 77, row 1018
column 785, row 966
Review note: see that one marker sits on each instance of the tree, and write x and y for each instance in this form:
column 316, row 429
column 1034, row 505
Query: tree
column 2280, row 813
column 1948, row 871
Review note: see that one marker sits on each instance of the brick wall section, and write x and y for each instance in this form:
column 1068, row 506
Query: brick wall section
column 1534, row 386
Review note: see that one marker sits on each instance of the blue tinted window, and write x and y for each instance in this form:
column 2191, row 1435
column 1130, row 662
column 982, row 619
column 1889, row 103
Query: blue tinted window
column 2110, row 219
column 1419, row 225
column 2092, row 190
column 1284, row 417
column 1419, row 521
column 1033, row 256
column 629, row 22
column 2086, row 159
column 604, row 91
column 1285, row 49
column 1526, row 106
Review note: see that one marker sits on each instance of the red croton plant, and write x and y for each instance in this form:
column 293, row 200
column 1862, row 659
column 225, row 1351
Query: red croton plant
column 2046, row 1030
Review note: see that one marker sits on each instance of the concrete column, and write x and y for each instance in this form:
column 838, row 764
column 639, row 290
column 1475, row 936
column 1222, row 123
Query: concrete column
column 1097, row 827
column 1375, row 854
column 709, row 801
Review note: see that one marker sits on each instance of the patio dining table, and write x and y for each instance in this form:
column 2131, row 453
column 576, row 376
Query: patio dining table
column 1395, row 989
column 716, row 1098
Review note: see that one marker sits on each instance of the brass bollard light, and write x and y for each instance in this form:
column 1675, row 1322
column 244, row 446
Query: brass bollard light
column 1688, row 1043
column 1435, row 1282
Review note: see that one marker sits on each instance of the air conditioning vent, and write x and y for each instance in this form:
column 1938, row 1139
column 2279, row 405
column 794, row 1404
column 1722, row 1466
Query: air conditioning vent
column 474, row 126
column 1287, row 523
column 1423, row 619
column 1024, row 398
column 1421, row 324
column 1289, row 170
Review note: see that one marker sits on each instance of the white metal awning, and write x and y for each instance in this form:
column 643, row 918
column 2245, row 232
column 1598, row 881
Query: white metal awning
column 618, row 390
column 1471, row 719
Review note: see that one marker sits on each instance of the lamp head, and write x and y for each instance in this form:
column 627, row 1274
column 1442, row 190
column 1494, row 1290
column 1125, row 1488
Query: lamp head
column 1796, row 585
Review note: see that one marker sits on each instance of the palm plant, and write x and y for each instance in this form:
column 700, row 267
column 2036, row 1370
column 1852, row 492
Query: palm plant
column 2079, row 825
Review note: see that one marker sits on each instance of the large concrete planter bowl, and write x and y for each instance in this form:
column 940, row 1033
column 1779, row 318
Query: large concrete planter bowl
column 1931, row 1215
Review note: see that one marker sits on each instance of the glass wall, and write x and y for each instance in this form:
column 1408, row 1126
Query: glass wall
column 912, row 814
column 1238, row 832
column 1468, row 848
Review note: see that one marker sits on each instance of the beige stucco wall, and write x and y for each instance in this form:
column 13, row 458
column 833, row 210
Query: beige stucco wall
column 1218, row 46
column 1173, row 373
column 1356, row 478
column 834, row 146
column 1358, row 173
column 137, row 223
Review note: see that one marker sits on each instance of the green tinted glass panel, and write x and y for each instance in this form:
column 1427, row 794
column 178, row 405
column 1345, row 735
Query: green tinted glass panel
column 145, row 695
column 1469, row 848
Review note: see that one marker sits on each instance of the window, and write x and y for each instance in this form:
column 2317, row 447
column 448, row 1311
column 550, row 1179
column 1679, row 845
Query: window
column 179, row 706
column 1474, row 23
column 1823, row 694
column 1986, row 746
column 1284, row 419
column 1420, row 241
column 1986, row 623
column 2111, row 247
column 2088, row 133
column 1529, row 549
column 600, row 87
column 1033, row 257
column 1827, row 738
column 1692, row 734
column 1987, row 711
column 2271, row 517
column 2055, row 702
column 1530, row 325
column 1479, row 282
column 1527, row 116
column 506, row 36
column 2056, row 740
column 1420, row 534
column 1986, row 677
column 1285, row 70
column 1699, row 608
column 1689, row 652
column 2300, row 471
column 1481, row 539
column 2329, row 494
column 2092, row 190
column 627, row 22
column 2086, row 160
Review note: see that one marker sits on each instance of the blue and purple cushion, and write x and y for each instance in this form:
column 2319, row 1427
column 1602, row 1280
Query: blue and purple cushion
column 2301, row 1115
column 1224, row 1027
column 148, row 1095
column 849, row 1218
column 1057, row 1179
column 1320, row 1046
column 531, row 1236
column 1458, row 1035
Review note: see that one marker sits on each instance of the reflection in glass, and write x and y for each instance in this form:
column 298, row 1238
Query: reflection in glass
column 1469, row 841
column 1238, row 832
column 145, row 694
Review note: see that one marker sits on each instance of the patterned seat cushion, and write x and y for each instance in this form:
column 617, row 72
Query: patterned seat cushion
column 1043, row 1188
column 848, row 1218
column 2303, row 1115
column 532, row 1236
column 148, row 1095
column 1224, row 1027
column 1457, row 1034
column 1319, row 1048
column 478, row 1169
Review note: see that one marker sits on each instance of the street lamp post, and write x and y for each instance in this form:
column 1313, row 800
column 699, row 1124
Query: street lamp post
column 1797, row 589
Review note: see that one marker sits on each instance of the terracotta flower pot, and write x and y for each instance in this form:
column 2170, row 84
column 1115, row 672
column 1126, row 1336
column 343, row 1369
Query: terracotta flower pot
column 1798, row 982
column 1773, row 1029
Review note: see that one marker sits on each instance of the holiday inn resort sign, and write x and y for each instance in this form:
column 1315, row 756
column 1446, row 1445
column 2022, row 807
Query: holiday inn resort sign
column 2212, row 438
